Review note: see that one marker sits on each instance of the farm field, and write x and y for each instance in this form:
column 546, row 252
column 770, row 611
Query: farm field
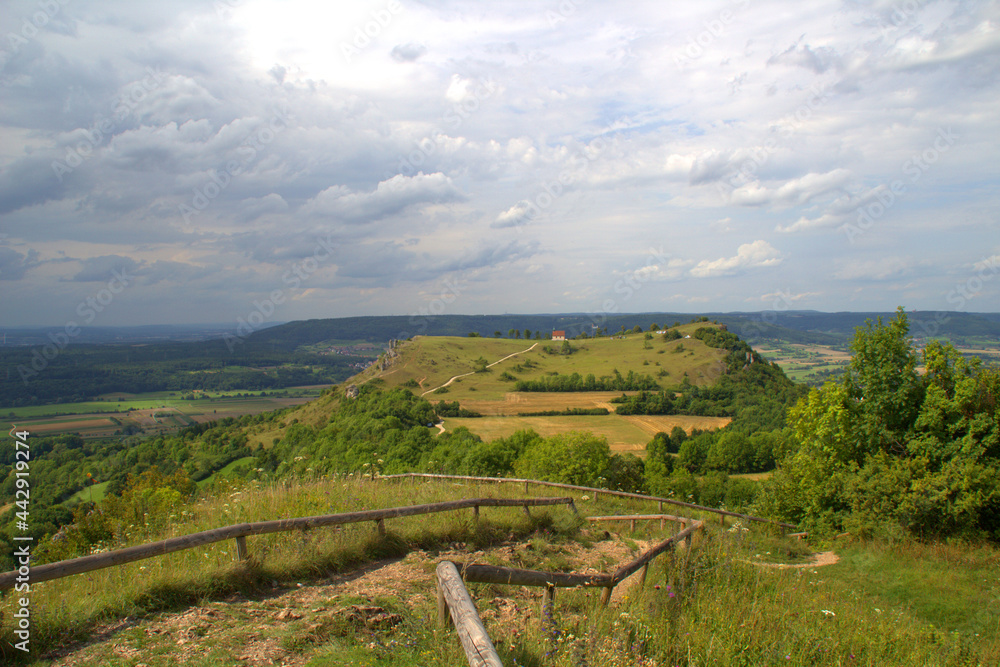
column 624, row 434
column 159, row 412
column 814, row 364
column 811, row 364
column 519, row 402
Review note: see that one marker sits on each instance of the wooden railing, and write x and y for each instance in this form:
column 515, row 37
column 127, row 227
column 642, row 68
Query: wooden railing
column 589, row 489
column 492, row 574
column 455, row 603
column 240, row 532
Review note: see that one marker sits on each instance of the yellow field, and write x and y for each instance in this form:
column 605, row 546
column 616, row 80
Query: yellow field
column 519, row 402
column 624, row 434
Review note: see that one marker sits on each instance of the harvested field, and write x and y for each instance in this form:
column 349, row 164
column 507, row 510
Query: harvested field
column 624, row 434
column 516, row 403
column 66, row 425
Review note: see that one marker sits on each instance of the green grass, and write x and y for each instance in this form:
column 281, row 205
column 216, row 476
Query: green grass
column 909, row 604
column 433, row 360
column 227, row 471
column 93, row 493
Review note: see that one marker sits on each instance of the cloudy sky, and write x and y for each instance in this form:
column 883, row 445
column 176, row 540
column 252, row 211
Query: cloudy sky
column 201, row 160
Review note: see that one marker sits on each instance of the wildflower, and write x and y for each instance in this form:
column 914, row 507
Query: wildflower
column 828, row 612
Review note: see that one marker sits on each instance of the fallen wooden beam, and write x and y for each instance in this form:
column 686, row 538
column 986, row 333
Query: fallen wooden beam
column 479, row 650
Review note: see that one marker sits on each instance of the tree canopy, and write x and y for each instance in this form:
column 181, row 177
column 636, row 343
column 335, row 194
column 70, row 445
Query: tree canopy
column 889, row 451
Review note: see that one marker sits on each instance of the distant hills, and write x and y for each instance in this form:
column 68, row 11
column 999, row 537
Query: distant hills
column 794, row 326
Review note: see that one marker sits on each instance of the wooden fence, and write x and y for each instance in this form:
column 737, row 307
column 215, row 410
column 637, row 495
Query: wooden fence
column 589, row 489
column 491, row 574
column 455, row 603
column 240, row 532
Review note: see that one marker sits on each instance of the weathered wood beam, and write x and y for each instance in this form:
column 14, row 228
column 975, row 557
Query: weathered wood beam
column 479, row 650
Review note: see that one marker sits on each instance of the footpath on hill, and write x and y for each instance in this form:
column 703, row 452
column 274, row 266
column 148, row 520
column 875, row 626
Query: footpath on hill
column 474, row 372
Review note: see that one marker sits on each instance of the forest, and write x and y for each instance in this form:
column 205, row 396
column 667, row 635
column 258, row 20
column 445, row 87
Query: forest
column 82, row 372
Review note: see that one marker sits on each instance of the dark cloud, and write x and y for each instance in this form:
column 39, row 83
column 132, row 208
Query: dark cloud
column 13, row 264
column 104, row 268
column 407, row 53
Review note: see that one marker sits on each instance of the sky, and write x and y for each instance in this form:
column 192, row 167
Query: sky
column 218, row 161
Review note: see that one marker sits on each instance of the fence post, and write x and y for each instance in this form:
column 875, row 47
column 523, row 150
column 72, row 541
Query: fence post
column 241, row 548
column 642, row 576
column 631, row 525
column 548, row 601
column 381, row 527
column 475, row 514
column 606, row 595
column 444, row 618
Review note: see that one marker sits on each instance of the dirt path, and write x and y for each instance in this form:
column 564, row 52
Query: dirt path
column 818, row 560
column 474, row 372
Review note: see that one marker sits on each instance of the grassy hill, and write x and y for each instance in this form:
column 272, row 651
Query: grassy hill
column 432, row 361
column 444, row 368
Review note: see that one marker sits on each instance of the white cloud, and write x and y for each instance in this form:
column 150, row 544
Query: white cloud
column 389, row 197
column 748, row 256
column 883, row 268
column 793, row 192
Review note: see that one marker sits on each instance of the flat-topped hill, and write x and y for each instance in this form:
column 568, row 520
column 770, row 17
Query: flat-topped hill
column 509, row 381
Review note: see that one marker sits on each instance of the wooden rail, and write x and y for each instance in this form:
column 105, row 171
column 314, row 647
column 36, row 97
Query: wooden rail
column 239, row 532
column 453, row 597
column 492, row 574
column 596, row 492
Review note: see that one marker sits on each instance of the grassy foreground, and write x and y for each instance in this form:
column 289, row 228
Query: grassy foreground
column 881, row 604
